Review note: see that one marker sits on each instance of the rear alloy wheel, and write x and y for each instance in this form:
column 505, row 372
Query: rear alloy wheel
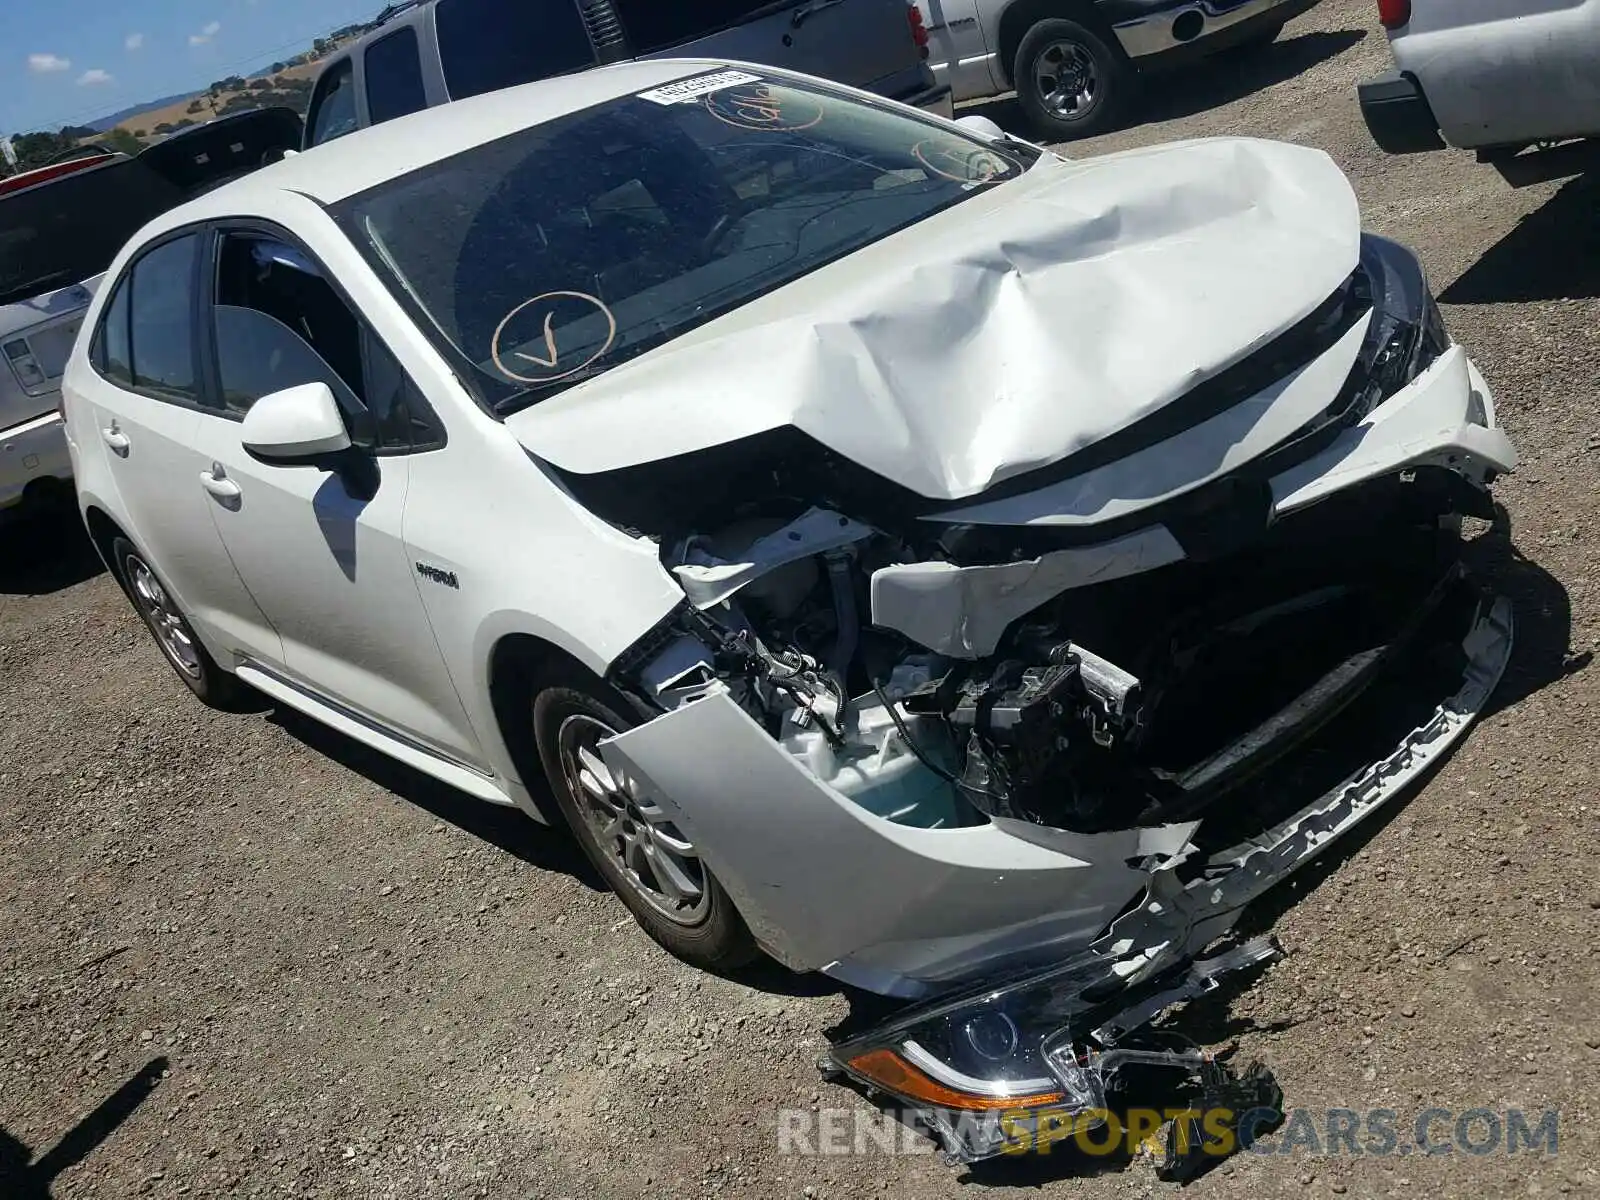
column 632, row 840
column 172, row 631
column 1070, row 83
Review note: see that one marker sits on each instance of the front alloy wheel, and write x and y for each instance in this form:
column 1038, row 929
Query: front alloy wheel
column 630, row 838
column 658, row 862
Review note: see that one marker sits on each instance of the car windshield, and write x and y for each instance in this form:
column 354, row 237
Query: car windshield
column 548, row 256
column 68, row 230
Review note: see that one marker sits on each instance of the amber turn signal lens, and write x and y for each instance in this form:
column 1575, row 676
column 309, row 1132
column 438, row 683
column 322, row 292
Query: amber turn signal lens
column 894, row 1074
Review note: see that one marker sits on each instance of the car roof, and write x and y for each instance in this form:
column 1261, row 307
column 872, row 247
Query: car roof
column 349, row 165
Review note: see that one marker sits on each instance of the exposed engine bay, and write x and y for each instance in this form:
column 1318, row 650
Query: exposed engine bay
column 1113, row 675
column 1048, row 601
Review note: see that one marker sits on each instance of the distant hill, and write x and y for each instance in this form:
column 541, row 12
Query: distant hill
column 105, row 124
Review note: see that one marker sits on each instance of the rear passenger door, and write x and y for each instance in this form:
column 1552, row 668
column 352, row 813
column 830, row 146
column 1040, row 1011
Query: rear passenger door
column 147, row 399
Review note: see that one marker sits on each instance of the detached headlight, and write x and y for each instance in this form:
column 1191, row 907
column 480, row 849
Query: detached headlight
column 1025, row 1064
column 990, row 1070
column 1407, row 331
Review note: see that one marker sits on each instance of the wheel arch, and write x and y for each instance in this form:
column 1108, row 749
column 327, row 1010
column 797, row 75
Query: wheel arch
column 518, row 665
column 103, row 531
column 1025, row 14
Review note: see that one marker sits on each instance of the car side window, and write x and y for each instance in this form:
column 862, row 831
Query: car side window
column 161, row 322
column 394, row 76
column 280, row 324
column 333, row 106
column 112, row 352
column 652, row 25
column 486, row 45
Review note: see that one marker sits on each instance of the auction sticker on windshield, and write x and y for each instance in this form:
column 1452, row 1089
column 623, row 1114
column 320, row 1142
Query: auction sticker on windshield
column 689, row 89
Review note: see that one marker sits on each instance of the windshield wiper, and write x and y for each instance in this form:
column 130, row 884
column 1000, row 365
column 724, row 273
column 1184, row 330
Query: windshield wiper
column 536, row 392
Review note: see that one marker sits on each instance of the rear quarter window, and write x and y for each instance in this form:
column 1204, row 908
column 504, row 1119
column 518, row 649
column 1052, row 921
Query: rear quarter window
column 394, row 76
column 657, row 24
column 333, row 106
column 485, row 45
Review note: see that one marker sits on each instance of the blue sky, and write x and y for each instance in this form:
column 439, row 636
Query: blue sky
column 69, row 61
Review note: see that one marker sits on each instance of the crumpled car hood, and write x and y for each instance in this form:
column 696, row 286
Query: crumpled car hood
column 1001, row 335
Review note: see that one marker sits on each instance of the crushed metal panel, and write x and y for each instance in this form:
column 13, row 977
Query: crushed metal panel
column 708, row 578
column 1000, row 335
column 818, row 878
column 1185, row 461
column 1430, row 421
column 963, row 611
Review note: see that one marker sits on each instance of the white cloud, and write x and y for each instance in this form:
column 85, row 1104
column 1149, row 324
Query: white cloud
column 134, row 41
column 45, row 64
column 94, row 77
column 205, row 35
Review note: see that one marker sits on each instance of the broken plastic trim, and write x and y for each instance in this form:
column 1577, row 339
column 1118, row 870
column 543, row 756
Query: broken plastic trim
column 1073, row 1004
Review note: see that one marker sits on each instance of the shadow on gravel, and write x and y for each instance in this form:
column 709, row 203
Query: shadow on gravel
column 45, row 551
column 510, row 829
column 1235, row 74
column 1209, row 83
column 25, row 1178
column 1552, row 254
column 1542, row 652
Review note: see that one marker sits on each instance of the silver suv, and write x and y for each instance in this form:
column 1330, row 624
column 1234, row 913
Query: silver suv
column 434, row 51
column 59, row 230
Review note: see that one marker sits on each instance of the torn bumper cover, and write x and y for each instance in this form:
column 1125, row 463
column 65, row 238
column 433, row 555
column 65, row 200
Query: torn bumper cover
column 993, row 1067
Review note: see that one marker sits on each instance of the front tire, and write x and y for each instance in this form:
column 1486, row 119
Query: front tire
column 1071, row 84
column 174, row 636
column 631, row 840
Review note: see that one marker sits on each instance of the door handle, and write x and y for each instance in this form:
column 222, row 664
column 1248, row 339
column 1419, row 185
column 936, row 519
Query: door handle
column 115, row 439
column 219, row 485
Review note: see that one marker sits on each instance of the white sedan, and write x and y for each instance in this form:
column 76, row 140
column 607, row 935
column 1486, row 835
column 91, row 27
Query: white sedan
column 883, row 544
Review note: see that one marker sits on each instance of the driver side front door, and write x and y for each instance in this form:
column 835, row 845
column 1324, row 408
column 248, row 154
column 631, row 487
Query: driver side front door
column 322, row 551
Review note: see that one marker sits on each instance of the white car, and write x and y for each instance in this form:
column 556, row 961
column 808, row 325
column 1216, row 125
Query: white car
column 1495, row 76
column 898, row 549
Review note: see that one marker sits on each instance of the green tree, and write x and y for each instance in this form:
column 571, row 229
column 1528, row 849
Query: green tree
column 120, row 139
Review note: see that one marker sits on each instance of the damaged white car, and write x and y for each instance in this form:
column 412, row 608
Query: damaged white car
column 968, row 572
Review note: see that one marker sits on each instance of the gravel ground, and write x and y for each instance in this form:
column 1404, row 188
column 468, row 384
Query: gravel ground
column 245, row 957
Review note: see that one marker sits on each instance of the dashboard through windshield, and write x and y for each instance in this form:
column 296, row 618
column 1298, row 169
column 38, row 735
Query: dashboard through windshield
column 545, row 257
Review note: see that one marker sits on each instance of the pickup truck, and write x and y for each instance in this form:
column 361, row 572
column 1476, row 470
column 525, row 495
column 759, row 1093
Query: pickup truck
column 1497, row 76
column 1076, row 65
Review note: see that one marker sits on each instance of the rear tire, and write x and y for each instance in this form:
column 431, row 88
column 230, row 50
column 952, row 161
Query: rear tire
column 1070, row 82
column 173, row 634
column 643, row 857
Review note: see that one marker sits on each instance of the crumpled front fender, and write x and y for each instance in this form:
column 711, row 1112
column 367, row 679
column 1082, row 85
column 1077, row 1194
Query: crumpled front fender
column 818, row 878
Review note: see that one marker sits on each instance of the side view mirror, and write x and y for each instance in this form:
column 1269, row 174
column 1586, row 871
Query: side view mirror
column 982, row 126
column 299, row 426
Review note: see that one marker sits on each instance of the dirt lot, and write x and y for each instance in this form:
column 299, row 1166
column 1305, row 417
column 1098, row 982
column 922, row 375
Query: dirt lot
column 244, row 957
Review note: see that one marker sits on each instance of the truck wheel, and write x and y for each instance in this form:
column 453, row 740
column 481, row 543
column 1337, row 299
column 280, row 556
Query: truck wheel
column 1070, row 83
column 645, row 858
